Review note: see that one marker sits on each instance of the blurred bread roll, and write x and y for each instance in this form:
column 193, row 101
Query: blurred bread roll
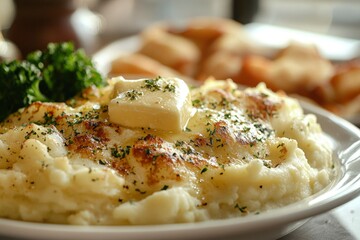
column 136, row 65
column 297, row 68
column 140, row 65
column 204, row 30
column 346, row 81
column 221, row 65
column 171, row 50
column 220, row 48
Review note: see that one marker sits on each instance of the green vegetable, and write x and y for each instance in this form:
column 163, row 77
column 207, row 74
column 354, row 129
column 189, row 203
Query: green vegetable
column 19, row 86
column 65, row 71
column 55, row 74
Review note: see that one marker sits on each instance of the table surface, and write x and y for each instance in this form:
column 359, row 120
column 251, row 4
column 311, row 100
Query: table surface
column 340, row 223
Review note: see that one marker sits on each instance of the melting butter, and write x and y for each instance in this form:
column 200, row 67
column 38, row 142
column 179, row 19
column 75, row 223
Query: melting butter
column 159, row 103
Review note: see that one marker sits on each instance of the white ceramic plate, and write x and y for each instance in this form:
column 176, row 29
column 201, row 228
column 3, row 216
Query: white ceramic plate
column 345, row 142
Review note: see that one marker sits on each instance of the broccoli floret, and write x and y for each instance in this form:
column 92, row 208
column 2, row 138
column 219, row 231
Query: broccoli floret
column 65, row 71
column 56, row 74
column 19, row 86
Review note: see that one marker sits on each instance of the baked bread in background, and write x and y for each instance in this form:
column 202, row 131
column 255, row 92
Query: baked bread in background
column 220, row 48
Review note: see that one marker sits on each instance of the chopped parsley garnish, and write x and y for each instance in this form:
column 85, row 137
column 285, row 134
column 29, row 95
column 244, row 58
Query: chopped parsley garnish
column 133, row 94
column 156, row 85
column 165, row 187
column 203, row 170
column 169, row 88
column 197, row 103
column 120, row 152
column 102, row 162
column 241, row 209
column 152, row 84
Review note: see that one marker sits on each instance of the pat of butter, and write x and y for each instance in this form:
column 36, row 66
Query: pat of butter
column 160, row 103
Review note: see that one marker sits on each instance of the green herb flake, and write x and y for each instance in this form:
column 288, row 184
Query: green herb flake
column 102, row 162
column 120, row 152
column 133, row 94
column 203, row 170
column 197, row 103
column 241, row 209
column 152, row 84
column 165, row 187
column 169, row 88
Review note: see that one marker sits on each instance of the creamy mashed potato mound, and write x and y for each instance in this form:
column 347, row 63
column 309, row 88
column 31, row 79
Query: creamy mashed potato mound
column 242, row 152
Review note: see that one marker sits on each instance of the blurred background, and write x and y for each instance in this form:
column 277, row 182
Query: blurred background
column 27, row 25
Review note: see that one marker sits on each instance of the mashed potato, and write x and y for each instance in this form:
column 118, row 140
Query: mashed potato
column 243, row 152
